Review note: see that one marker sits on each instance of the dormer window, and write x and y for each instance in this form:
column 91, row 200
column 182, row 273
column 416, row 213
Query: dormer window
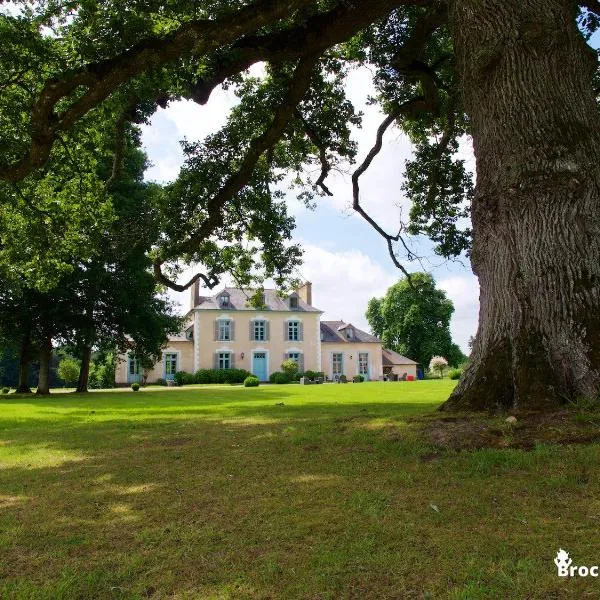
column 293, row 302
column 350, row 333
column 224, row 300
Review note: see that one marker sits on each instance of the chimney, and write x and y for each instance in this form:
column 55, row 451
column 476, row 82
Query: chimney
column 195, row 294
column 305, row 292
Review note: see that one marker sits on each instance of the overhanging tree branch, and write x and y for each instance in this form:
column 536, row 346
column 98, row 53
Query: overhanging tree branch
column 195, row 39
column 285, row 112
column 103, row 78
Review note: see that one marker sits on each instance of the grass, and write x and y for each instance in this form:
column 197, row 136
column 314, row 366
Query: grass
column 315, row 492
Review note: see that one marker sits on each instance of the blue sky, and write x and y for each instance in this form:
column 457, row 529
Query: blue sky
column 345, row 258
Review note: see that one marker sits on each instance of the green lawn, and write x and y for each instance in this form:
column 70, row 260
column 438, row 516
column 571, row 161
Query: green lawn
column 285, row 492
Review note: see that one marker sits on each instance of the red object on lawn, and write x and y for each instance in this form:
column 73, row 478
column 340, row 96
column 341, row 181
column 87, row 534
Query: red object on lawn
column 410, row 378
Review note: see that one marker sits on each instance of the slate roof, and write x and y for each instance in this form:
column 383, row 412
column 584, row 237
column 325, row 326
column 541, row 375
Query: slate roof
column 239, row 300
column 391, row 358
column 333, row 331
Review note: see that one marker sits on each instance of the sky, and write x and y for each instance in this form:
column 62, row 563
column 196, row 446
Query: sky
column 344, row 258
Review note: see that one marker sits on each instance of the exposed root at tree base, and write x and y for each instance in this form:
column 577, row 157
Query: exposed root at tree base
column 470, row 432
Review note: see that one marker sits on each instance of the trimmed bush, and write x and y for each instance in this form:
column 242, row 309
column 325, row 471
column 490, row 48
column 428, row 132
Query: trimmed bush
column 161, row 381
column 251, row 381
column 220, row 376
column 235, row 375
column 5, row 390
column 358, row 378
column 204, row 376
column 279, row 377
column 343, row 379
column 135, row 387
column 183, row 378
column 454, row 373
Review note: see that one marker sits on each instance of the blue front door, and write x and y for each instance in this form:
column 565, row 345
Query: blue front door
column 259, row 365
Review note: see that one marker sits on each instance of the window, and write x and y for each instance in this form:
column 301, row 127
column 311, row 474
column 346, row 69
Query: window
column 350, row 333
column 170, row 365
column 134, row 366
column 260, row 331
column 224, row 330
column 363, row 363
column 293, row 331
column 224, row 360
column 224, row 300
column 293, row 301
column 337, row 359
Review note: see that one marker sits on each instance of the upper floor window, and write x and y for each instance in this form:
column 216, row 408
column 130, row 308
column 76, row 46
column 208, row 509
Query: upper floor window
column 294, row 331
column 293, row 302
column 224, row 300
column 259, row 331
column 224, row 330
column 350, row 333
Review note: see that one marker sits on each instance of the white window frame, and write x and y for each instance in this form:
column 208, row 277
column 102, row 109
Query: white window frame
column 224, row 326
column 333, row 363
column 260, row 325
column 135, row 362
column 364, row 373
column 293, row 327
column 224, row 356
column 224, row 300
column 176, row 355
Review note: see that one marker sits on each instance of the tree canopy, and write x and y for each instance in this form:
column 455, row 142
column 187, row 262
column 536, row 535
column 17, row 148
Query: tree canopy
column 76, row 76
column 413, row 318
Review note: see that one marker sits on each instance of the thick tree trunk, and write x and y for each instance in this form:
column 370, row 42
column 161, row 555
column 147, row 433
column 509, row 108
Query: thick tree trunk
column 24, row 358
column 43, row 387
column 526, row 78
column 84, row 370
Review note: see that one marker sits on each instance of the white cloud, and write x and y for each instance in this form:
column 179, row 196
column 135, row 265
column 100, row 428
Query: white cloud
column 344, row 282
column 463, row 290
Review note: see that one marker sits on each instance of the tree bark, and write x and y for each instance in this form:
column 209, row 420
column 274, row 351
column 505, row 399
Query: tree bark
column 24, row 358
column 43, row 387
column 84, row 370
column 526, row 73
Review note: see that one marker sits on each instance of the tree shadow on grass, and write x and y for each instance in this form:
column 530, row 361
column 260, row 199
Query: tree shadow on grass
column 245, row 501
column 185, row 502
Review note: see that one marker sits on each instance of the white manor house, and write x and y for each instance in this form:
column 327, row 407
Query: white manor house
column 225, row 331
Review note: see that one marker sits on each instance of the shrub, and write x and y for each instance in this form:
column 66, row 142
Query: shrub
column 220, row 376
column 204, row 376
column 161, row 381
column 454, row 373
column 183, row 378
column 290, row 367
column 358, row 378
column 135, row 386
column 68, row 370
column 235, row 375
column 279, row 377
column 5, row 390
column 251, row 381
column 343, row 379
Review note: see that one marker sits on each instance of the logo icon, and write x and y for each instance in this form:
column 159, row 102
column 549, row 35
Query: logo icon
column 564, row 564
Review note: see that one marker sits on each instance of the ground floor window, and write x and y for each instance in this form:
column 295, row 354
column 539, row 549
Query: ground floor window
column 170, row 365
column 134, row 366
column 133, row 369
column 224, row 360
column 337, row 360
column 363, row 363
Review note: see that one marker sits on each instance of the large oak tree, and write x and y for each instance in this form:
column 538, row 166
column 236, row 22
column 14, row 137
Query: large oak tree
column 515, row 75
